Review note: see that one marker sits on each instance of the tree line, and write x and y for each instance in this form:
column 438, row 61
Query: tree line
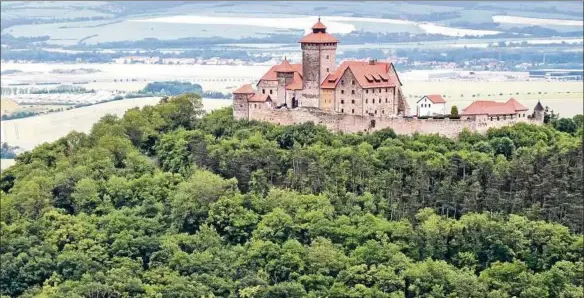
column 169, row 202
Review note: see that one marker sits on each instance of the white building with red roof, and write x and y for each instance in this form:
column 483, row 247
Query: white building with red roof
column 354, row 87
column 431, row 105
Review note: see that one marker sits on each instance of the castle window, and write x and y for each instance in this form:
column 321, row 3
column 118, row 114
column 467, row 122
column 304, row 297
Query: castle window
column 342, row 110
column 366, row 100
column 497, row 118
column 382, row 111
column 342, row 91
column 367, row 91
column 352, row 91
column 263, row 91
column 380, row 100
column 353, row 111
column 342, row 82
column 379, row 90
column 270, row 91
column 353, row 101
column 352, row 82
column 375, row 112
column 327, row 56
column 366, row 112
column 385, row 90
column 373, row 90
column 386, row 100
column 327, row 70
column 342, row 101
column 491, row 118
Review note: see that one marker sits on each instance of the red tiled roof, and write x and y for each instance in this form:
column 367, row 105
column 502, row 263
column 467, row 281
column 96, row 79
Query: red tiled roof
column 516, row 105
column 284, row 67
column 272, row 76
column 487, row 107
column 258, row 97
column 296, row 83
column 319, row 25
column 367, row 75
column 320, row 37
column 436, row 98
column 245, row 89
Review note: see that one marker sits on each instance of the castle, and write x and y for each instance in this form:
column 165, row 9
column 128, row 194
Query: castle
column 355, row 96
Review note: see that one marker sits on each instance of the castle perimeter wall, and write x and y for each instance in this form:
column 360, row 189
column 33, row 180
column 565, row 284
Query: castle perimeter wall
column 355, row 123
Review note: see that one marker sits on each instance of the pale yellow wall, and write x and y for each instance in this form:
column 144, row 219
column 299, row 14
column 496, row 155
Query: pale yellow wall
column 327, row 97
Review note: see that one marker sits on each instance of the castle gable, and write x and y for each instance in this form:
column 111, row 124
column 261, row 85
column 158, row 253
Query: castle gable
column 516, row 105
column 367, row 74
column 272, row 75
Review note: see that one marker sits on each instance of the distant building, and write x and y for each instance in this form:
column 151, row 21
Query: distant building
column 431, row 105
column 558, row 74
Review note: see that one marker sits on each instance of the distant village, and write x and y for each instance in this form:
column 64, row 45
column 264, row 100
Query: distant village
column 476, row 68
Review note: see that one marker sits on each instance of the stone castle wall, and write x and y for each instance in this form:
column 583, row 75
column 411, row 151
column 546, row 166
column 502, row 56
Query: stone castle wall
column 355, row 123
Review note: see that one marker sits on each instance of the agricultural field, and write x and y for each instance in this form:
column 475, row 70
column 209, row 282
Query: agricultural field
column 33, row 131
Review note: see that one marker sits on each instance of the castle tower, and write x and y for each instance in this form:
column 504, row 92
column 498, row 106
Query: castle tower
column 240, row 103
column 538, row 112
column 285, row 74
column 318, row 60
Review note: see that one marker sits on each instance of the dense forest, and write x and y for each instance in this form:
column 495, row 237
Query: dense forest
column 169, row 202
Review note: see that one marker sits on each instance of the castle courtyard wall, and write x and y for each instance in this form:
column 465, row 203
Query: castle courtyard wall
column 355, row 123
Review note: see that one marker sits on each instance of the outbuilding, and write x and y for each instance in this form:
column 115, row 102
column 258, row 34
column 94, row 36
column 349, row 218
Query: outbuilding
column 430, row 105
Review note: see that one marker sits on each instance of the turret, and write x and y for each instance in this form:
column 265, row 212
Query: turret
column 538, row 112
column 285, row 74
column 240, row 101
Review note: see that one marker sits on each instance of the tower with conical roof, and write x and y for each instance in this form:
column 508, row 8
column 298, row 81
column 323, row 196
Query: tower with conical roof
column 538, row 112
column 318, row 60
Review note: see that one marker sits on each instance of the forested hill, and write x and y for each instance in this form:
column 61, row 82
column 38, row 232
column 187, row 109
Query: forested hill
column 165, row 203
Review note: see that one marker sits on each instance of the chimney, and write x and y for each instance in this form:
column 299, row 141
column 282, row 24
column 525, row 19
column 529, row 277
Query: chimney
column 372, row 61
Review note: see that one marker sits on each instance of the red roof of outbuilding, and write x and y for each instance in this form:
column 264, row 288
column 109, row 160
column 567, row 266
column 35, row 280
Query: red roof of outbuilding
column 436, row 98
column 485, row 107
column 516, row 105
column 245, row 89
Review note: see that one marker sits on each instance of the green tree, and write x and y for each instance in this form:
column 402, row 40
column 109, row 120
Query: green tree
column 454, row 111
